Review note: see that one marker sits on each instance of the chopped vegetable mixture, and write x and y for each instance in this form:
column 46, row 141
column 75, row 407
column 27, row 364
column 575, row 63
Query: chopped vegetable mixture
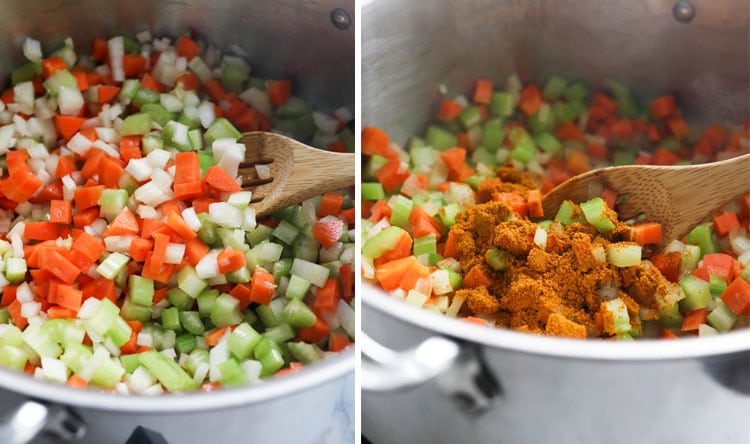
column 132, row 260
column 454, row 222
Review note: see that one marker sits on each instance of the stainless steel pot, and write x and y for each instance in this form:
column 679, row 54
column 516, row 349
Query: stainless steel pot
column 311, row 43
column 435, row 379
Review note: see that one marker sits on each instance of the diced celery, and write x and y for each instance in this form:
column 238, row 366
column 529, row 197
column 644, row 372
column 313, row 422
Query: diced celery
column 502, row 104
column 170, row 319
column 576, row 91
column 703, row 236
column 303, row 352
column 548, row 142
column 542, row 120
column 206, row 300
column 129, row 89
column 285, row 232
column 189, row 282
column 281, row 268
column 15, row 269
column 372, row 191
column 568, row 214
column 76, row 357
column 41, row 341
column 61, row 78
column 151, row 142
column 135, row 312
column 136, row 124
column 231, row 373
column 104, row 317
column 717, row 285
column 145, row 96
column 470, row 116
column 25, row 73
column 697, row 292
column 128, row 362
column 382, row 242
column 234, row 73
column 267, row 316
column 691, row 255
column 619, row 313
column 169, row 374
column 141, row 290
column 316, row 274
column 272, row 362
column 225, row 311
column 175, row 135
column 185, row 343
column 555, row 88
column 297, row 287
column 119, row 332
column 221, row 128
column 448, row 213
column 13, row 357
column 425, row 245
column 402, row 207
column 440, row 138
column 243, row 340
column 298, row 315
column 112, row 265
column 158, row 113
column 722, row 318
column 498, row 260
column 207, row 232
column 595, row 212
column 191, row 322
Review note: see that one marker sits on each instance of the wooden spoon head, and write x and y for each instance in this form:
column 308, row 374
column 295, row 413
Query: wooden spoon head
column 275, row 152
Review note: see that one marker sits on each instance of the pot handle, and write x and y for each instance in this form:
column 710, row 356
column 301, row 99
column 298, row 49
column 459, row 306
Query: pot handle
column 389, row 370
column 31, row 418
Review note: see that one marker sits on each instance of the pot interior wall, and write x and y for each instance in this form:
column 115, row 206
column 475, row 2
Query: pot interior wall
column 276, row 34
column 410, row 48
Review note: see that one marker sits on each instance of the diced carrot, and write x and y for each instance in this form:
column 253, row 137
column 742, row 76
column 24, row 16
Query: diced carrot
column 646, row 233
column 125, row 223
column 330, row 204
column 474, row 320
column 14, row 309
column 65, row 166
column 60, row 211
column 187, row 167
column 20, row 187
column 609, row 196
column 85, row 217
column 139, row 248
column 40, row 231
column 87, row 197
column 678, row 127
column 162, row 274
column 449, row 110
column 230, row 260
column 187, row 47
column 262, row 285
column 515, row 201
column 67, row 126
column 8, row 295
column 423, row 224
column 402, row 249
column 722, row 265
column 668, row 264
column 476, row 277
column 161, row 242
column 57, row 312
column 376, row 142
column 190, row 191
column 278, row 91
column 316, row 333
column 392, row 175
column 328, row 233
column 106, row 93
column 214, row 336
column 483, row 92
column 662, row 107
column 327, row 297
column 737, row 296
column 664, row 157
column 148, row 82
column 569, row 131
column 242, row 293
column 77, row 382
column 110, row 173
column 534, row 200
column 178, row 224
column 59, row 266
column 725, row 222
column 215, row 90
column 133, row 65
column 189, row 81
column 338, row 341
column 219, row 180
column 195, row 250
column 451, row 248
column 51, row 65
column 67, row 296
column 346, row 275
column 577, row 162
column 400, row 273
column 531, row 99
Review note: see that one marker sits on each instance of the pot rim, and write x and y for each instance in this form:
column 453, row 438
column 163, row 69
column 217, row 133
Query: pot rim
column 328, row 370
column 644, row 350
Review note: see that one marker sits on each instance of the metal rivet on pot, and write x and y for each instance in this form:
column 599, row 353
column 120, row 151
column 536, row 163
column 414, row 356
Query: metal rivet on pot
column 683, row 11
column 340, row 19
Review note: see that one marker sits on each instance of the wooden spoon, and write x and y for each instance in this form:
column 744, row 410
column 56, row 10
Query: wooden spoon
column 297, row 171
column 678, row 197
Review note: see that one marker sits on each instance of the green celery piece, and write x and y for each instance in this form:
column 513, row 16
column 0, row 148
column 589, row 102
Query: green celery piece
column 131, row 44
column 502, row 104
column 185, row 343
column 141, row 290
column 717, row 285
column 347, row 136
column 374, row 163
column 107, row 373
column 119, row 332
column 568, row 214
column 524, row 150
column 195, row 139
column 422, row 157
column 282, row 332
column 303, row 352
column 272, row 362
column 440, row 138
column 231, row 373
column 595, row 212
column 4, row 316
column 401, row 210
column 170, row 319
column 670, row 317
column 382, row 242
column 372, row 191
column 196, row 358
column 41, row 341
column 206, row 161
column 455, row 279
column 576, row 91
column 548, row 142
column 158, row 113
column 169, row 132
column 13, row 357
column 239, row 276
column 112, row 265
column 697, row 292
column 25, row 72
column 60, row 78
column 144, row 96
column 104, row 317
column 15, row 269
column 189, row 282
column 221, row 128
column 129, row 89
column 623, row 158
column 169, row 374
column 151, row 142
column 76, row 357
column 234, row 74
column 493, row 135
column 448, row 213
column 294, row 107
column 207, row 232
column 703, row 236
column 136, row 124
column 225, row 311
column 620, row 313
column 129, row 362
column 243, row 340
column 306, row 247
column 691, row 255
column 622, row 254
column 206, row 301
column 259, row 234
column 722, row 318
column 297, row 314
column 135, row 312
column 498, row 260
column 554, row 88
column 481, row 155
column 425, row 245
column 297, row 287
column 470, row 116
column 281, row 268
column 285, row 232
column 191, row 322
column 542, row 120
column 267, row 316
